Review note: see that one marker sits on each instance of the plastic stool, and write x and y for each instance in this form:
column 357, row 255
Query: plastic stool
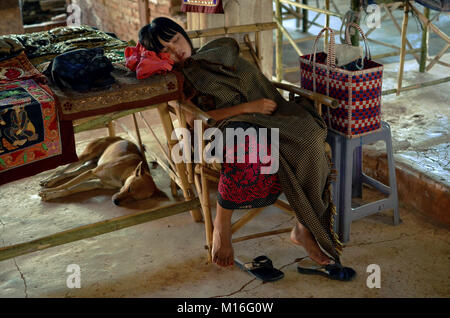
column 347, row 155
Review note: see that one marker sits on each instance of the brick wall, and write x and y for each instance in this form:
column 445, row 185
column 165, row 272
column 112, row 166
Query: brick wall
column 122, row 16
column 11, row 17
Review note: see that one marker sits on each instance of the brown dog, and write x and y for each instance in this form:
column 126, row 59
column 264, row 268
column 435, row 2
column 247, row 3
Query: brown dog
column 106, row 163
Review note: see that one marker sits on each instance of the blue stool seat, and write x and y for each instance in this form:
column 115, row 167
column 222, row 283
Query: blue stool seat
column 347, row 159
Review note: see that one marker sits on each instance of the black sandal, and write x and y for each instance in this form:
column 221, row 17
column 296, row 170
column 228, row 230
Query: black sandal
column 262, row 268
column 333, row 271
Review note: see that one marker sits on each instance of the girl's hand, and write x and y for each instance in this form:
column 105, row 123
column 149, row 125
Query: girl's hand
column 264, row 106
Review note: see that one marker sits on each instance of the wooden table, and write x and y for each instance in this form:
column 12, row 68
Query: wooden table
column 127, row 96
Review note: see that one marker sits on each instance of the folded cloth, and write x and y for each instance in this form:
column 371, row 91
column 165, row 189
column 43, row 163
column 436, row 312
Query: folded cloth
column 81, row 69
column 9, row 47
column 146, row 63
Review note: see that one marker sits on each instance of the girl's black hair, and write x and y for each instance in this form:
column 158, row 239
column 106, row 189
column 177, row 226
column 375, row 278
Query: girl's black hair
column 163, row 28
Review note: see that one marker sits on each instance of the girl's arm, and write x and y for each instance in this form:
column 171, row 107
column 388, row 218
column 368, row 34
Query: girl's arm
column 263, row 106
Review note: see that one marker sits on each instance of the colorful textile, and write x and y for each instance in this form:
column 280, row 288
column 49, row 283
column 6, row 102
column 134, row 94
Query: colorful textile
column 146, row 63
column 32, row 139
column 202, row 6
column 242, row 185
column 30, row 131
column 18, row 68
column 44, row 46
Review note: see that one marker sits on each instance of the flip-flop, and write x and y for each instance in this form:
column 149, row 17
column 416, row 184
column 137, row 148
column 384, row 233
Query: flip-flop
column 261, row 267
column 333, row 271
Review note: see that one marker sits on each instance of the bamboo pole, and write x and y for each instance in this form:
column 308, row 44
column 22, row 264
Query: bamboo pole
column 327, row 25
column 323, row 99
column 139, row 139
column 355, row 6
column 397, row 26
column 305, row 17
column 384, row 44
column 291, row 40
column 431, row 25
column 437, row 57
column 231, row 30
column 379, row 56
column 111, row 130
column 198, row 113
column 95, row 229
column 305, row 39
column 247, row 217
column 279, row 43
column 186, row 143
column 249, row 237
column 284, row 206
column 415, row 86
column 163, row 110
column 209, row 227
column 403, row 48
column 158, row 142
column 424, row 45
column 304, row 6
column 293, row 14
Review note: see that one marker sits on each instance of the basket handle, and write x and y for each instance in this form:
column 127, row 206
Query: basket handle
column 331, row 55
column 347, row 38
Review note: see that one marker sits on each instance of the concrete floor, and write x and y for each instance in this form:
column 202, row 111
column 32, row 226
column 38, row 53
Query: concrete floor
column 165, row 258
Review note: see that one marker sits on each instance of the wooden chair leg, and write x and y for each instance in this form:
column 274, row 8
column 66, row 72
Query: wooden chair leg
column 201, row 183
column 111, row 129
column 163, row 110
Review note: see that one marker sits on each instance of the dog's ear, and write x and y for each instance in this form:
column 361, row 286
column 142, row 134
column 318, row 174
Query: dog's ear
column 139, row 171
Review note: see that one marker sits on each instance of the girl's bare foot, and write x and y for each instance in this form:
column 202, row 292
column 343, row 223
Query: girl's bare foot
column 222, row 249
column 300, row 235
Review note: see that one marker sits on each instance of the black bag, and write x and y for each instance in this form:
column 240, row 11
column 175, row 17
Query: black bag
column 81, row 69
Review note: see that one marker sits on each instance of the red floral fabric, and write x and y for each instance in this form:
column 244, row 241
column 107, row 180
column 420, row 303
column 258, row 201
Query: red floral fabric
column 241, row 185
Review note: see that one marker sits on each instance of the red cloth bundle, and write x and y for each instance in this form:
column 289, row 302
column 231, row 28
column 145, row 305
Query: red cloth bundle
column 146, row 63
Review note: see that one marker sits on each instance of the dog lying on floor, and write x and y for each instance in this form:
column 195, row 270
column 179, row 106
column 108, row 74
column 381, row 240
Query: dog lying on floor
column 106, row 163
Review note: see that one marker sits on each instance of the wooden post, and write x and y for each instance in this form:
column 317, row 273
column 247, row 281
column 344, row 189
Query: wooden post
column 403, row 47
column 144, row 12
column 424, row 46
column 327, row 25
column 305, row 17
column 96, row 229
column 355, row 6
column 163, row 110
column 111, row 129
column 279, row 44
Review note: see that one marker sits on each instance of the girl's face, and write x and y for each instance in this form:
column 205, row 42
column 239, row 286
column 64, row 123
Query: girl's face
column 178, row 48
